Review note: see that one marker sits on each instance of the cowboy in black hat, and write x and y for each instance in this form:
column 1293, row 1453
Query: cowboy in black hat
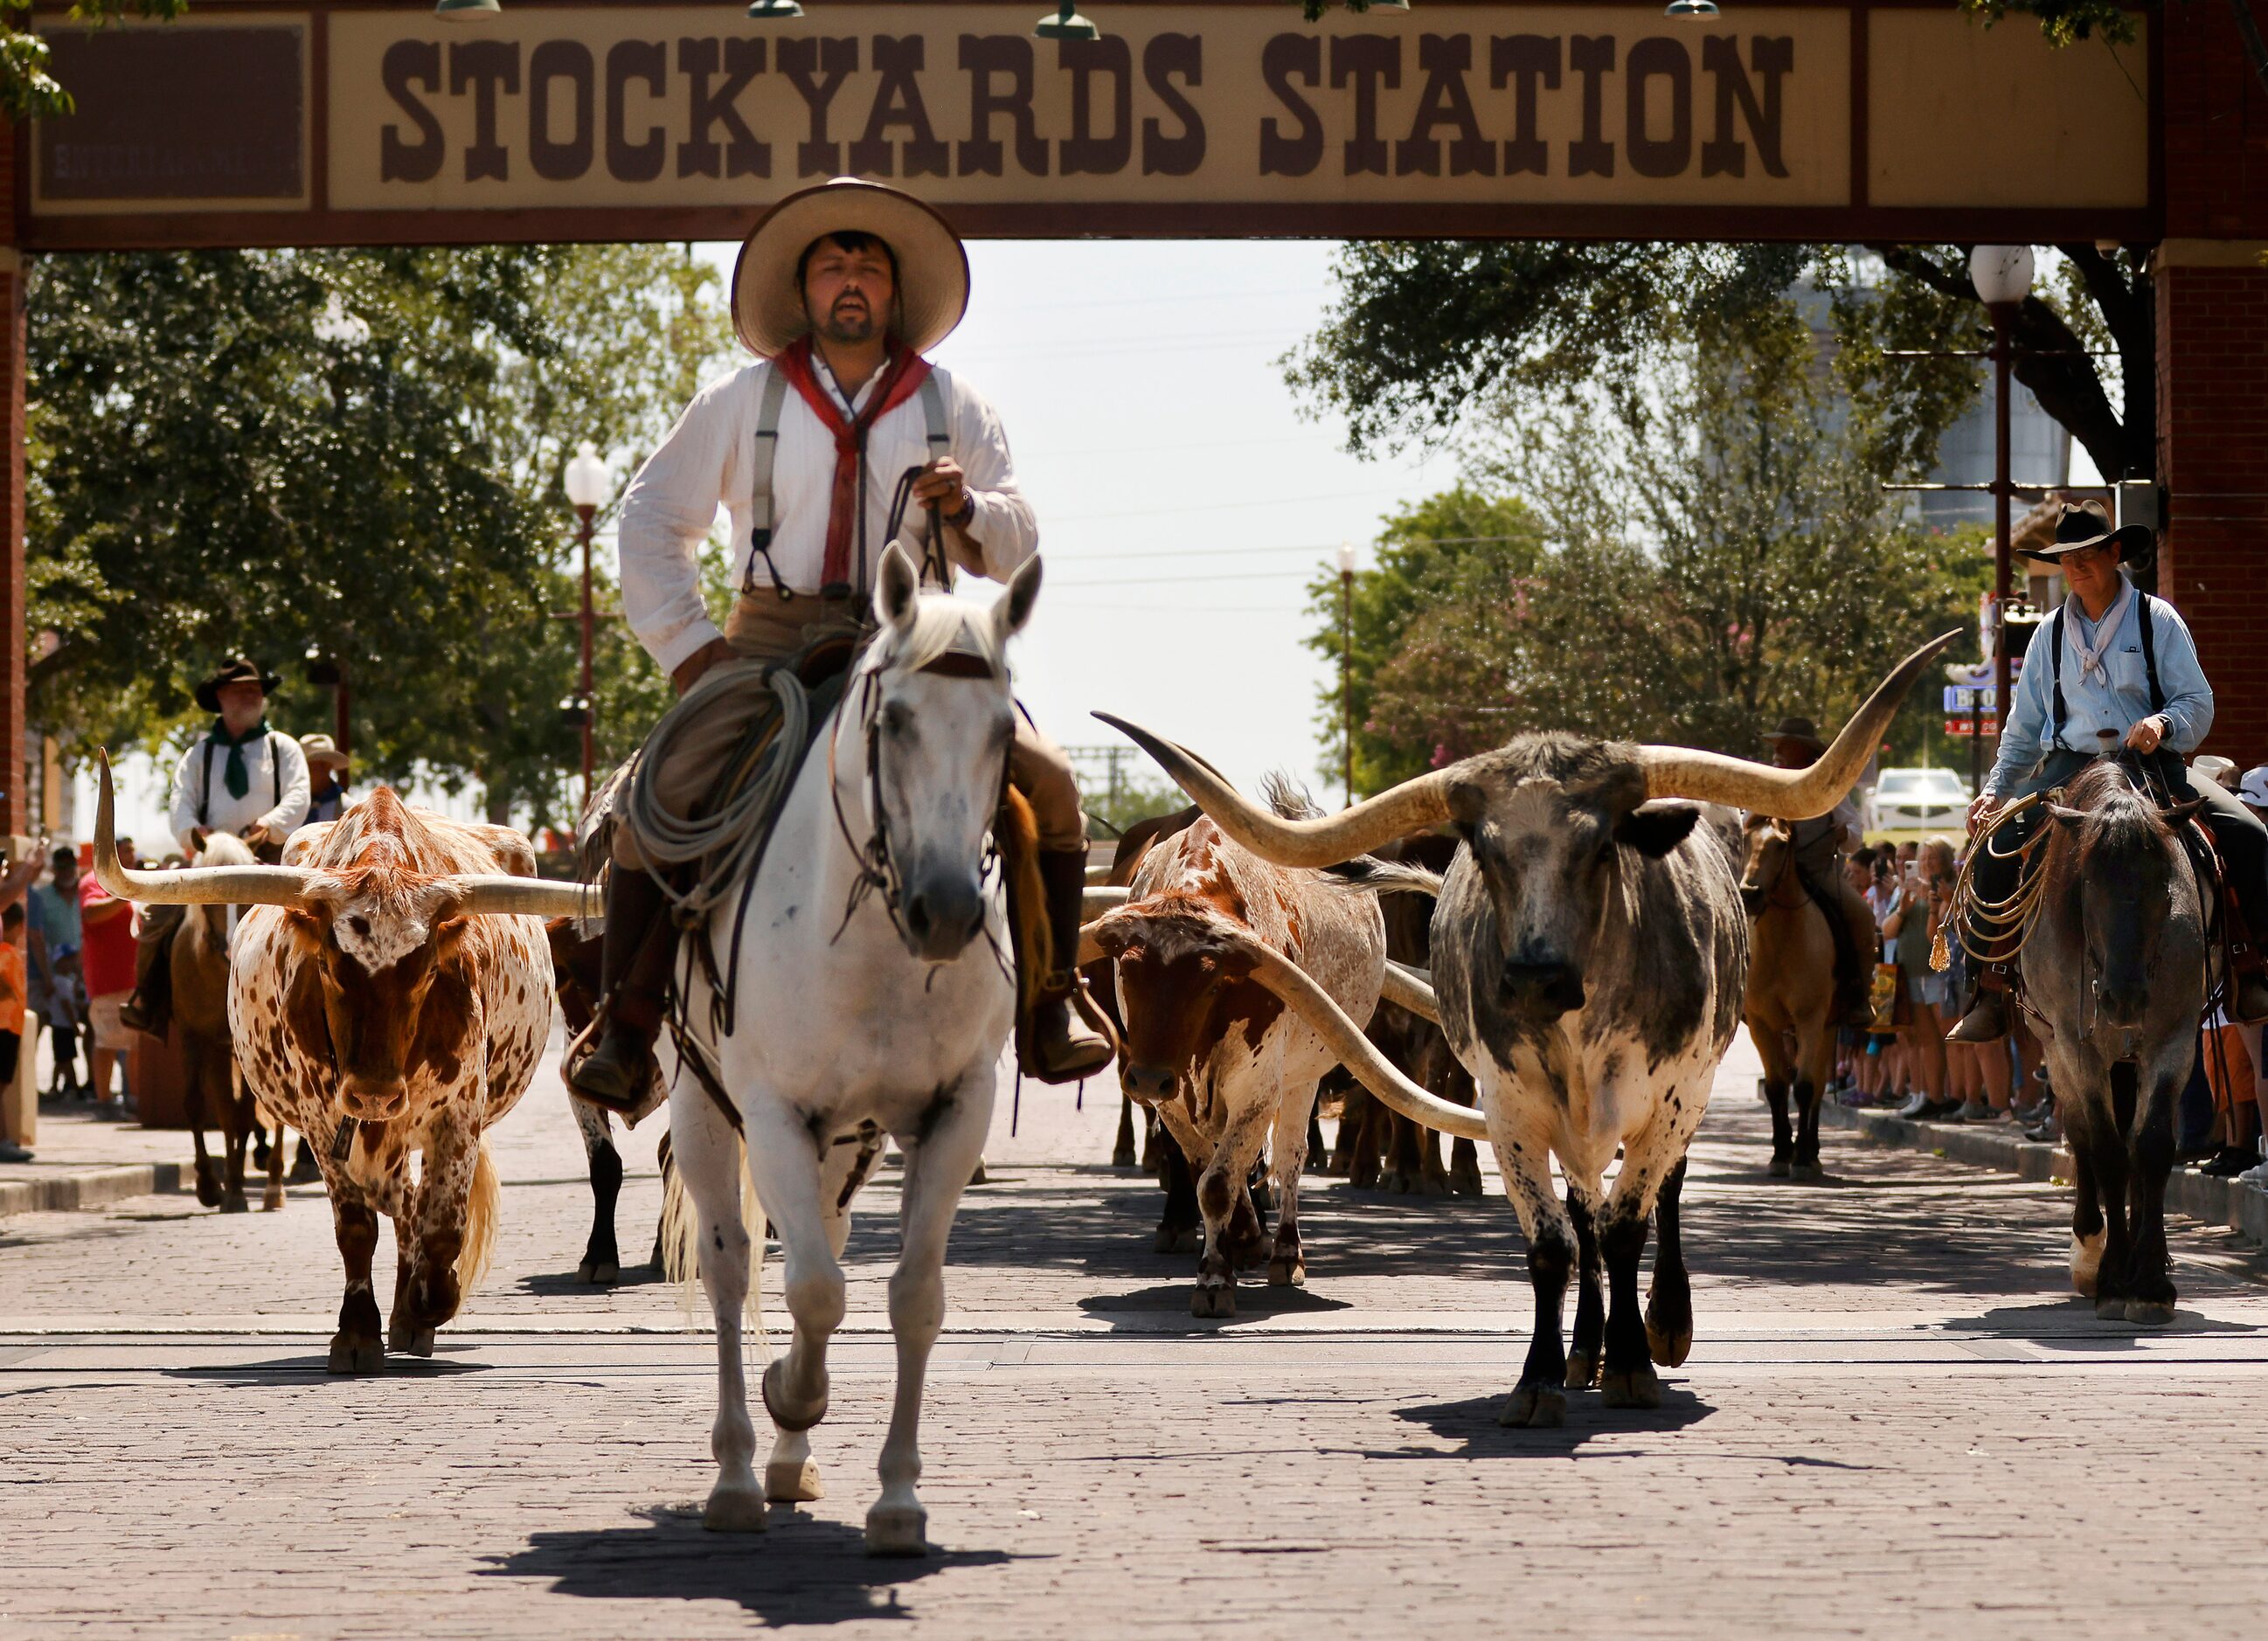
column 238, row 777
column 1818, row 846
column 839, row 292
column 2113, row 668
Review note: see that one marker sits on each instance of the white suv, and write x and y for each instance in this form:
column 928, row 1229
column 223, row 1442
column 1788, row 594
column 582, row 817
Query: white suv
column 1918, row 800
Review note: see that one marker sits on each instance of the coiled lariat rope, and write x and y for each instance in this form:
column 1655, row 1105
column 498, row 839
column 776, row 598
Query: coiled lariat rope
column 1994, row 931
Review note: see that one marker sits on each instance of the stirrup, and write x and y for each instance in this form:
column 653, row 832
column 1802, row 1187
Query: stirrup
column 1987, row 1021
column 590, row 1044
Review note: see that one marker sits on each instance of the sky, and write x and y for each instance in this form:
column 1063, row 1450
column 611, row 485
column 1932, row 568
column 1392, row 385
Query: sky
column 1183, row 502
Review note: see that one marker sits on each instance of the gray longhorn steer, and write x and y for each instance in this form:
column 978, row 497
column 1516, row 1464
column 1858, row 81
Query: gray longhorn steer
column 1590, row 951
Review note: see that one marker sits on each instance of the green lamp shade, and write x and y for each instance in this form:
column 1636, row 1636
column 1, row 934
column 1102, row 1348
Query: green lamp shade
column 464, row 10
column 1066, row 24
column 772, row 10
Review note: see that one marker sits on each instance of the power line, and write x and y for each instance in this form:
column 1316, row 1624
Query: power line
column 1151, row 512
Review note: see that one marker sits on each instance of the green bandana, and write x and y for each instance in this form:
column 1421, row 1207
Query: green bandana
column 237, row 776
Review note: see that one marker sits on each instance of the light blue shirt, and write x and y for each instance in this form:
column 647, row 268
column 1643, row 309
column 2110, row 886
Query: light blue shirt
column 2092, row 702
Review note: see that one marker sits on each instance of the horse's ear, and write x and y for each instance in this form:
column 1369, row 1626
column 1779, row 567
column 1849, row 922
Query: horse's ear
column 1013, row 611
column 897, row 589
column 2179, row 815
column 2066, row 817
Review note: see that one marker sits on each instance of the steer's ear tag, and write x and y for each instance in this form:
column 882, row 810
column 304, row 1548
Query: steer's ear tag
column 342, row 1142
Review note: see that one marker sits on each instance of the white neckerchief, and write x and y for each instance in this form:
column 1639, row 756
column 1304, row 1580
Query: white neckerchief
column 2091, row 655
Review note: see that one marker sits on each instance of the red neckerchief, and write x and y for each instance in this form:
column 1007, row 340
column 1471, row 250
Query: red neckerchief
column 902, row 378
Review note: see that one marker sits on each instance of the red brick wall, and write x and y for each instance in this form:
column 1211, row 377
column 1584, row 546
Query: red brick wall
column 2215, row 119
column 15, row 816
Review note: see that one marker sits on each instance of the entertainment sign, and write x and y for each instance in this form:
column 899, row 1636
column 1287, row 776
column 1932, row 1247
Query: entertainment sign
column 279, row 124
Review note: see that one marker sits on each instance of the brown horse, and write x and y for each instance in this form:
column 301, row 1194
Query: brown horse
column 198, row 954
column 1789, row 1000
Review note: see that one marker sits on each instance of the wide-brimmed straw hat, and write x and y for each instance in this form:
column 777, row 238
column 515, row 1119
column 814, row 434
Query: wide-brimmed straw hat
column 2086, row 524
column 768, row 312
column 1802, row 732
column 235, row 670
column 322, row 749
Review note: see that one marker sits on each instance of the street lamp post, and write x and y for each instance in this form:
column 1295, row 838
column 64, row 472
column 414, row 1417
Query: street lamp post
column 586, row 484
column 2002, row 275
column 1347, row 668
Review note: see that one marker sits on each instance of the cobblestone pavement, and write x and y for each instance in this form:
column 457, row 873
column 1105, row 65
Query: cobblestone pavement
column 1896, row 1421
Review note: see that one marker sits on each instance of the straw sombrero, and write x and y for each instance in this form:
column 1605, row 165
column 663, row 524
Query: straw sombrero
column 932, row 268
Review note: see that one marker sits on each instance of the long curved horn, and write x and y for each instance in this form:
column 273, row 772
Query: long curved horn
column 1412, row 989
column 1789, row 794
column 1098, row 898
column 1291, row 984
column 495, row 894
column 1412, row 806
column 208, row 886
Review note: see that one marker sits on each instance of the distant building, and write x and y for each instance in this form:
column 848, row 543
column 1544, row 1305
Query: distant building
column 2039, row 452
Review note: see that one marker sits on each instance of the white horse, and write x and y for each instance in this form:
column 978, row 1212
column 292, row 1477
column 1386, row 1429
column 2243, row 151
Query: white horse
column 873, row 987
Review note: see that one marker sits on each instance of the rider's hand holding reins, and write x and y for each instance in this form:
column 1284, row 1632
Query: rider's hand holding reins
column 942, row 485
column 1979, row 808
column 2146, row 735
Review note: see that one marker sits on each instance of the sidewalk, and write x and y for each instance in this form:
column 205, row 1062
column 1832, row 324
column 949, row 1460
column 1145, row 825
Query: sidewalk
column 2242, row 1207
column 79, row 1162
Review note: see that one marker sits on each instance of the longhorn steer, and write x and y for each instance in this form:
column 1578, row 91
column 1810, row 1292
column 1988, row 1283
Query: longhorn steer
column 1218, row 1057
column 385, row 999
column 1590, row 950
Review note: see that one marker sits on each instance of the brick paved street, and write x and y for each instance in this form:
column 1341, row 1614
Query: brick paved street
column 1896, row 1421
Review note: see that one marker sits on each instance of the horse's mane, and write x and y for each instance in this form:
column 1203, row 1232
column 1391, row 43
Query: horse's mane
column 2120, row 820
column 225, row 848
column 941, row 623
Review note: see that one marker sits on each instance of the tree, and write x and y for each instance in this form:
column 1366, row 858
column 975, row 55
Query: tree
column 27, row 91
column 352, row 451
column 1460, row 548
column 1715, row 556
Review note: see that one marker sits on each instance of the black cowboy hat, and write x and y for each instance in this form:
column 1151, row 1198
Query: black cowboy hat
column 235, row 670
column 2086, row 524
column 1802, row 731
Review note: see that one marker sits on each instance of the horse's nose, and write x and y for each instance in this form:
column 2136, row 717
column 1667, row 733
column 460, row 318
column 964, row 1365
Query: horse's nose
column 2122, row 1005
column 941, row 919
column 1543, row 991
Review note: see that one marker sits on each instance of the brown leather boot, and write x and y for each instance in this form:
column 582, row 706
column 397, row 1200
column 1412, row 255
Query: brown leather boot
column 633, row 970
column 1065, row 1043
column 1987, row 1019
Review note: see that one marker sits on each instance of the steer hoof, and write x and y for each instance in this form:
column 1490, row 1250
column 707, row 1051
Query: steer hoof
column 1807, row 1174
column 234, row 1203
column 1639, row 1386
column 1218, row 1300
column 897, row 1530
column 1465, row 1182
column 791, row 1482
column 1287, row 1273
column 2110, row 1308
column 351, row 1355
column 271, row 1199
column 598, row 1274
column 1179, row 1240
column 1780, row 1168
column 733, row 1507
column 2149, row 1312
column 1582, row 1370
column 2086, row 1261
column 1534, row 1407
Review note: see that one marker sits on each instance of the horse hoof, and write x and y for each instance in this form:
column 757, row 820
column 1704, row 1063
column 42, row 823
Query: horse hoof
column 1218, row 1300
column 1287, row 1273
column 2110, row 1308
column 234, row 1203
column 303, row 1168
column 1178, row 1240
column 413, row 1341
column 1582, row 1370
column 897, row 1530
column 1807, row 1174
column 598, row 1275
column 790, row 1482
column 351, row 1355
column 773, row 1395
column 1123, row 1157
column 1535, row 1407
column 736, row 1508
column 1465, row 1184
column 980, row 1177
column 272, row 1200
column 209, row 1192
column 2149, row 1312
column 1639, row 1386
column 2085, row 1262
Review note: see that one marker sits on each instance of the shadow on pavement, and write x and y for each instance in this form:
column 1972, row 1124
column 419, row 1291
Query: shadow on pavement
column 295, row 1369
column 1155, row 1311
column 1472, row 1423
column 802, row 1570
column 2070, row 1324
column 568, row 1282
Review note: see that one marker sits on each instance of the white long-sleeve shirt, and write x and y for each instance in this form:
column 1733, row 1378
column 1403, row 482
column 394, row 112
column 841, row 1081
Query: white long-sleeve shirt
column 708, row 458
column 276, row 794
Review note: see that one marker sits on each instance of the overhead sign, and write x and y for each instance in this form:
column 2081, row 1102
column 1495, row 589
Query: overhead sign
column 262, row 122
column 1973, row 727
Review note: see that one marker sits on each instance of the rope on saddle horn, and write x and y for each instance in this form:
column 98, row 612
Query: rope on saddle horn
column 2000, row 928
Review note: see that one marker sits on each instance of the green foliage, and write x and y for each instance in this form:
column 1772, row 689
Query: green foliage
column 2064, row 22
column 27, row 91
column 1133, row 801
column 356, row 453
column 1459, row 549
column 1716, row 553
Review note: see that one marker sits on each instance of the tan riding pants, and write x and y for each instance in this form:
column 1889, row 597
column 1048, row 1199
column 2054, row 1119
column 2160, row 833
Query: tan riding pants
column 764, row 629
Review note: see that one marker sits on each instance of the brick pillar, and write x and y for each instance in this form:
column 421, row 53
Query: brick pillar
column 2213, row 462
column 15, row 814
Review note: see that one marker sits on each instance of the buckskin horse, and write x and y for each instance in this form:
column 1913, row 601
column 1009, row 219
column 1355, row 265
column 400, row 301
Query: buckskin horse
column 1790, row 995
column 2117, row 970
column 198, row 954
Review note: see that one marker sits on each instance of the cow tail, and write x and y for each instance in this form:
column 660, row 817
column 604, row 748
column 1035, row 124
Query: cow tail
column 480, row 1221
column 680, row 1241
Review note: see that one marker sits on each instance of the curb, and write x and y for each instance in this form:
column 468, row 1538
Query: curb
column 2242, row 1207
column 92, row 1188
